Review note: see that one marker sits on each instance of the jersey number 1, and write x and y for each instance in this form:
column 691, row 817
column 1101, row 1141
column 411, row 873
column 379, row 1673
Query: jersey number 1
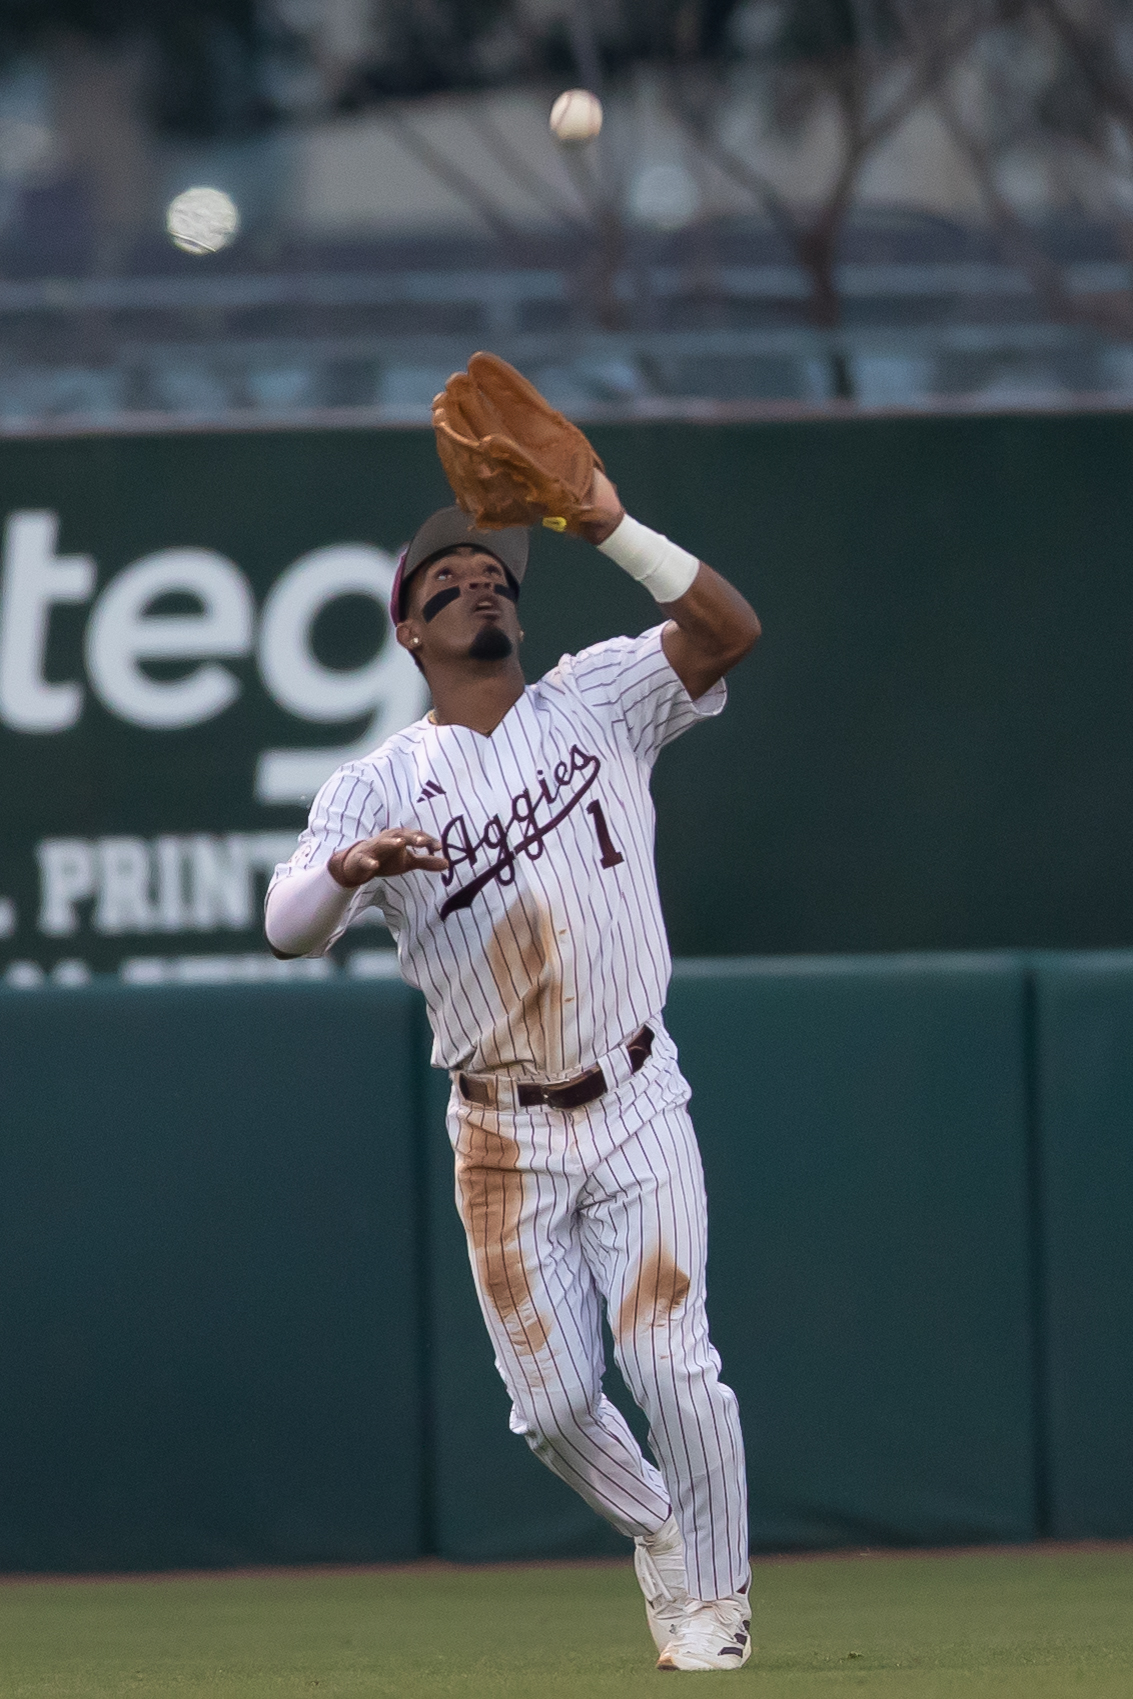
column 611, row 856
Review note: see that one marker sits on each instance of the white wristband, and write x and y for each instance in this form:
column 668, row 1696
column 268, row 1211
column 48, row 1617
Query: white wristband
column 663, row 568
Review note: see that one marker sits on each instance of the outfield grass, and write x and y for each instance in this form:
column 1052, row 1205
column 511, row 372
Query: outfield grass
column 1031, row 1623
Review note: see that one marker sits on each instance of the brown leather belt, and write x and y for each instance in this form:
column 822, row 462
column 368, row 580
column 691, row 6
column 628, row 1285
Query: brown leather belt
column 570, row 1094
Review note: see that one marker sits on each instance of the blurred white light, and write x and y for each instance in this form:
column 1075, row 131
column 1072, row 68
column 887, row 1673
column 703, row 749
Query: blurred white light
column 71, row 973
column 23, row 976
column 25, row 147
column 665, row 196
column 754, row 25
column 1121, row 187
column 202, row 221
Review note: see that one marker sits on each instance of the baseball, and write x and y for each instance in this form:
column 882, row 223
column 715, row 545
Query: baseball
column 202, row 221
column 576, row 117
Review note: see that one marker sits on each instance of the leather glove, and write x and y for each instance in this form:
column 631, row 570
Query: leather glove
column 510, row 457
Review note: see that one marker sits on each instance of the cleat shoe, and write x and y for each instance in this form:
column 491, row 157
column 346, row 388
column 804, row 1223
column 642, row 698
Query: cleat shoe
column 659, row 1560
column 712, row 1634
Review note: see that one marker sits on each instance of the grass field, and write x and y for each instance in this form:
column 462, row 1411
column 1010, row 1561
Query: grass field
column 1033, row 1623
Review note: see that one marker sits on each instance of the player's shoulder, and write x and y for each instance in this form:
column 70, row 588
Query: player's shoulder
column 602, row 664
column 399, row 747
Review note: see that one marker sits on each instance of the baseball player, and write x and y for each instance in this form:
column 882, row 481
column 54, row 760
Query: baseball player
column 508, row 840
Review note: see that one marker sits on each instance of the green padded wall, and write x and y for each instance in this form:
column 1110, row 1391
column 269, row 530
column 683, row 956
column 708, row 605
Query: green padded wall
column 234, row 1329
column 209, row 1322
column 1085, row 1049
column 864, row 1125
column 864, row 1128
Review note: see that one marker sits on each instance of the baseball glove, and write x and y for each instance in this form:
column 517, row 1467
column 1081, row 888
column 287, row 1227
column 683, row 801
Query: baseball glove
column 511, row 459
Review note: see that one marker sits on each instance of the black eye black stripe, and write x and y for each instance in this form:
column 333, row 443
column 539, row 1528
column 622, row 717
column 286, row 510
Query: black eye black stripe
column 441, row 600
column 443, row 597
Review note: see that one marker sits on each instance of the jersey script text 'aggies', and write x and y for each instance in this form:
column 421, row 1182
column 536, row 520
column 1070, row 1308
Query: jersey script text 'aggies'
column 542, row 948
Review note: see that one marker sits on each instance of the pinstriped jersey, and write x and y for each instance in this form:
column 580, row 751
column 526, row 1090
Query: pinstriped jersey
column 542, row 947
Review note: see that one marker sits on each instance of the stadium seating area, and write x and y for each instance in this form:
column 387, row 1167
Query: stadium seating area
column 711, row 319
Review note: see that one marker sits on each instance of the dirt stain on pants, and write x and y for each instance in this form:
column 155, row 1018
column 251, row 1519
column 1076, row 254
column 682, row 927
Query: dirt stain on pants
column 491, row 1191
column 660, row 1288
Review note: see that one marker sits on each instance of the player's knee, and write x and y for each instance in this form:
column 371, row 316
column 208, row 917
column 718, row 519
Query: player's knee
column 559, row 1420
column 656, row 1304
column 657, row 1379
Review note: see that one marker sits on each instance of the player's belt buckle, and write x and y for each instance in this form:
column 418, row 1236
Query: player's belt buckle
column 570, row 1094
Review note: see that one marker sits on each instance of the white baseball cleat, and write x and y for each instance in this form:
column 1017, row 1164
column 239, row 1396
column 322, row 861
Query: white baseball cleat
column 659, row 1560
column 712, row 1634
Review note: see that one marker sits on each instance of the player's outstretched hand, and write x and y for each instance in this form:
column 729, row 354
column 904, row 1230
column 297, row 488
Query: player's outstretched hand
column 386, row 856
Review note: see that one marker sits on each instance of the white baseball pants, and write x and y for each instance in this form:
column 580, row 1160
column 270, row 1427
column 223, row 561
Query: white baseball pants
column 567, row 1209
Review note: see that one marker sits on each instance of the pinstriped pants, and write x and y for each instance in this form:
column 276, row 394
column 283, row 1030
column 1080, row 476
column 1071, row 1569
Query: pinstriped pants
column 564, row 1211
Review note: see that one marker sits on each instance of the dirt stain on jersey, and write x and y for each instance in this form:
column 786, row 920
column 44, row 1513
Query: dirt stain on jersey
column 491, row 1207
column 523, row 959
column 660, row 1288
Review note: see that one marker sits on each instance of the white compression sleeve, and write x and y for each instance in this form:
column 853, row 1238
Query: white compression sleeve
column 303, row 911
column 661, row 567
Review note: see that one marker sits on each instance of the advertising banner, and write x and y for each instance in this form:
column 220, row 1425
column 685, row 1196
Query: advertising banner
column 928, row 750
column 193, row 635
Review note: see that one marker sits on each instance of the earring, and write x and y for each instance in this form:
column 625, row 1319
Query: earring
column 416, row 643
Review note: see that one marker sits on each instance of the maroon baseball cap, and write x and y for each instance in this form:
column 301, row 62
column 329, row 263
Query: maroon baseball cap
column 447, row 529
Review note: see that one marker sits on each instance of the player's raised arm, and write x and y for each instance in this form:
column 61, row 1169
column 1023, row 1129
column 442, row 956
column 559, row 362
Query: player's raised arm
column 512, row 459
column 711, row 625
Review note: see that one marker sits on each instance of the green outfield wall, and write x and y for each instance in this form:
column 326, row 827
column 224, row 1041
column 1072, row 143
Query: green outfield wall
column 865, row 1137
column 237, row 1324
column 211, row 1320
column 930, row 749
column 1085, row 1147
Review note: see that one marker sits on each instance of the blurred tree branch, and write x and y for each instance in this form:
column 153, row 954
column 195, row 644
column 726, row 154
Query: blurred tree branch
column 1020, row 86
column 860, row 62
column 207, row 54
column 1057, row 90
